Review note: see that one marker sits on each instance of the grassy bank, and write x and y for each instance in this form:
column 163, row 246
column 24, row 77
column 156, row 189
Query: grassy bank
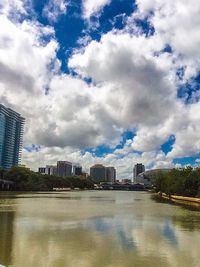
column 187, row 202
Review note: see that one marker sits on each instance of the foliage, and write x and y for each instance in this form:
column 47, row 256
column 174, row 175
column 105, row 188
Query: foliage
column 27, row 180
column 183, row 181
column 2, row 172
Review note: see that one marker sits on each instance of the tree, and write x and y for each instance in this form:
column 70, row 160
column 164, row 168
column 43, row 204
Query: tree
column 183, row 181
column 27, row 180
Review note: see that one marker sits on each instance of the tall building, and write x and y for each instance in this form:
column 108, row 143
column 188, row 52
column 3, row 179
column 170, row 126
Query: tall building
column 98, row 173
column 11, row 135
column 110, row 174
column 77, row 170
column 64, row 168
column 138, row 168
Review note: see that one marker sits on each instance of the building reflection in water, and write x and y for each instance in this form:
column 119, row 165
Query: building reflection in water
column 6, row 236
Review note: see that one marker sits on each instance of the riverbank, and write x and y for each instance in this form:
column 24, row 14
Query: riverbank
column 191, row 202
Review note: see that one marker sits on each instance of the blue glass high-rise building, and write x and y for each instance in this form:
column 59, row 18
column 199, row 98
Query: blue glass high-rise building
column 11, row 135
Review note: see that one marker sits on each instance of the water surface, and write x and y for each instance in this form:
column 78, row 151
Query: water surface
column 96, row 229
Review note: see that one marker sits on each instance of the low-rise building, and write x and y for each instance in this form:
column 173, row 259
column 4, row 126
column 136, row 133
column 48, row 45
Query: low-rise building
column 49, row 169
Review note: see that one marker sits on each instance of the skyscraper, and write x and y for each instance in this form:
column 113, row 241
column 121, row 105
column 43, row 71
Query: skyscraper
column 138, row 168
column 110, row 174
column 64, row 168
column 98, row 173
column 11, row 135
column 77, row 170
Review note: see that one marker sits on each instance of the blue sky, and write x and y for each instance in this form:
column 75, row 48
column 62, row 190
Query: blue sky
column 108, row 81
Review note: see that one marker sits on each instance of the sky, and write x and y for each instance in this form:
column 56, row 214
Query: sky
column 115, row 82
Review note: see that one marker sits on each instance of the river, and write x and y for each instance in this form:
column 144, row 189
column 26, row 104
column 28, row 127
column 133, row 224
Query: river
column 96, row 229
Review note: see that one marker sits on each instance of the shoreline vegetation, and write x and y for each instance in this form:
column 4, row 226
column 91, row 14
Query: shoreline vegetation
column 26, row 180
column 180, row 182
column 179, row 186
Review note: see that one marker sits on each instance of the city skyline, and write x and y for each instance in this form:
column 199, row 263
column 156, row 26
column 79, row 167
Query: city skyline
column 103, row 81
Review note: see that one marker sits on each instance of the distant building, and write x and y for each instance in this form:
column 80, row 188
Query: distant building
column 64, row 168
column 11, row 135
column 146, row 177
column 110, row 174
column 49, row 169
column 98, row 173
column 77, row 170
column 138, row 168
column 42, row 170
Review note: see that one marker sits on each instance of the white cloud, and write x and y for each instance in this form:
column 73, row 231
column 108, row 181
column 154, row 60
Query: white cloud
column 24, row 60
column 8, row 6
column 187, row 132
column 91, row 7
column 55, row 8
column 140, row 87
column 177, row 24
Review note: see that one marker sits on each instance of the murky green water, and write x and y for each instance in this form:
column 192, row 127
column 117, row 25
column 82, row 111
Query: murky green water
column 96, row 229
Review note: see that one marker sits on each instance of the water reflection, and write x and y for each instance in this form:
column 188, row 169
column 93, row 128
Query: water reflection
column 189, row 221
column 6, row 237
column 169, row 233
column 96, row 229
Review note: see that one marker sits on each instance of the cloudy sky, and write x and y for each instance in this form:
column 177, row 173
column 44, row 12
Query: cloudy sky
column 106, row 81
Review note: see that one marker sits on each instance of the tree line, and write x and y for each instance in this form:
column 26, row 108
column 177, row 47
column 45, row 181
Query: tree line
column 182, row 181
column 26, row 180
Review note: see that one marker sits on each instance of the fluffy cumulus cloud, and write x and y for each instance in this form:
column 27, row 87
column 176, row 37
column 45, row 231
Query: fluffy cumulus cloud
column 177, row 24
column 8, row 6
column 26, row 63
column 91, row 7
column 143, row 74
column 55, row 8
column 140, row 86
column 133, row 85
column 141, row 92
